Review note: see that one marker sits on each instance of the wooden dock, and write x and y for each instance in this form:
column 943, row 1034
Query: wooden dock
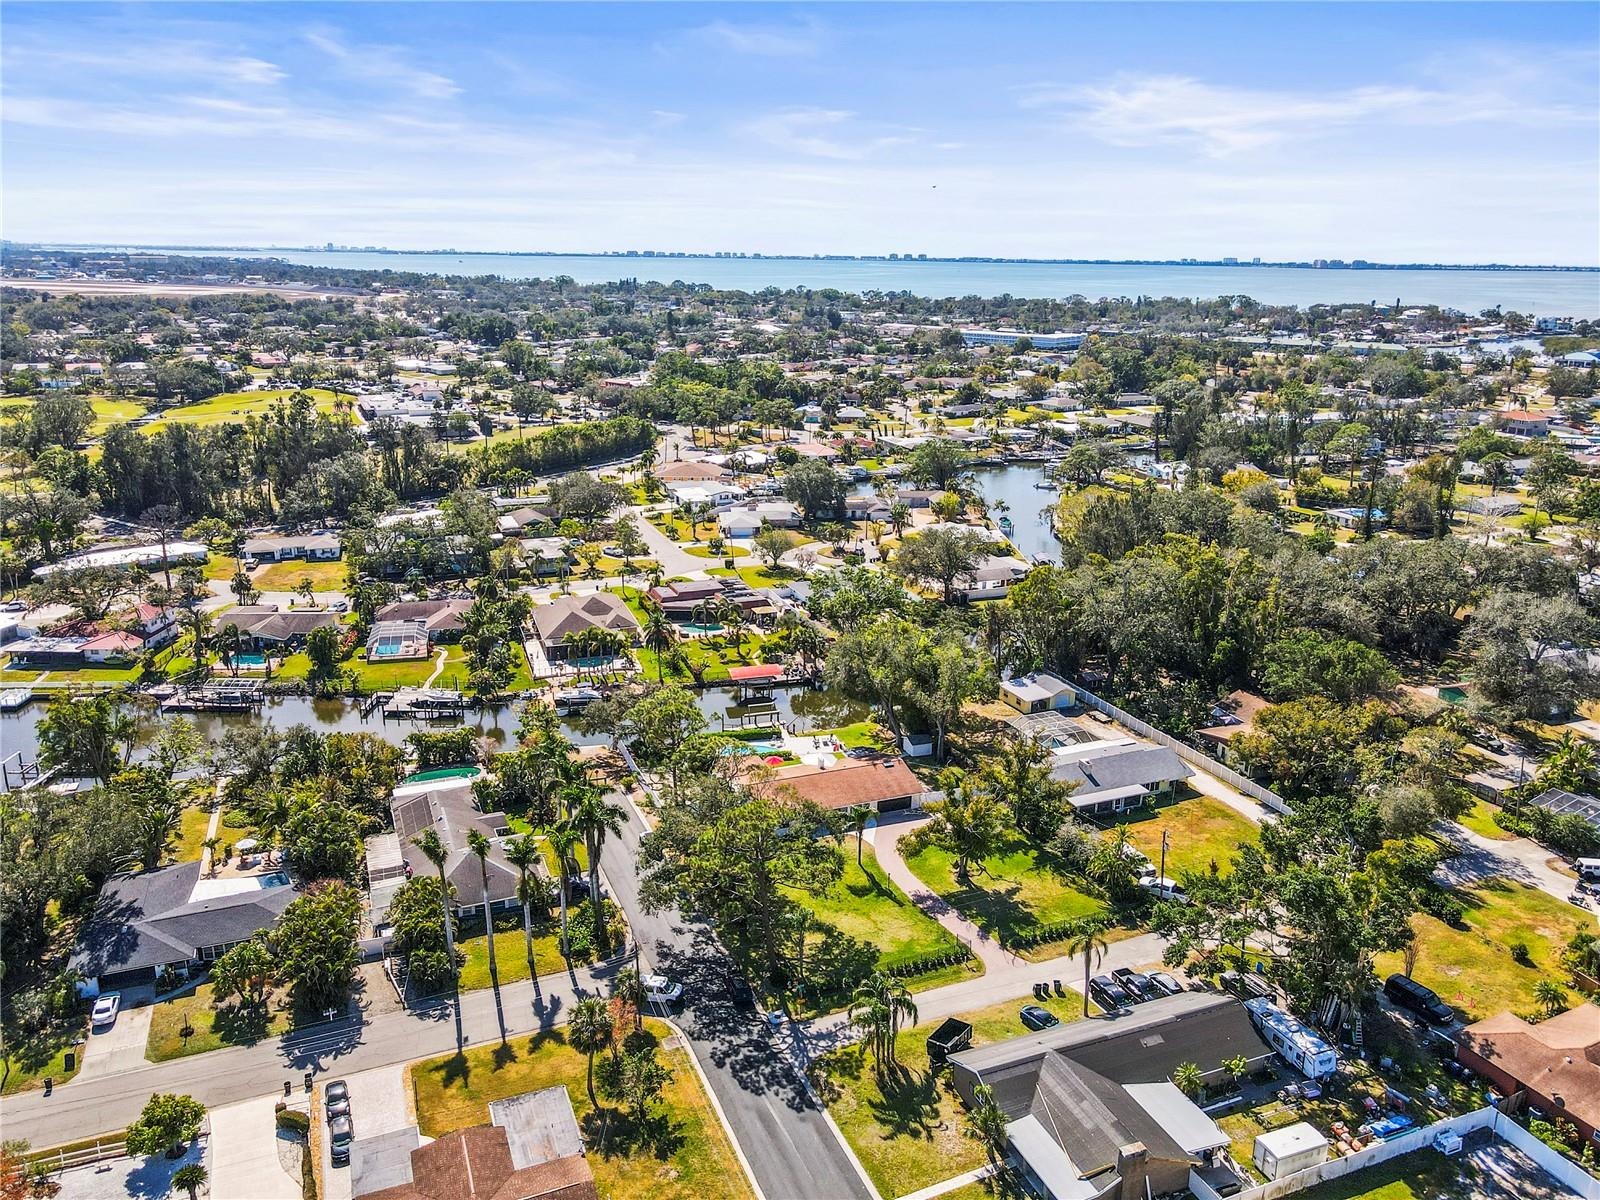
column 424, row 704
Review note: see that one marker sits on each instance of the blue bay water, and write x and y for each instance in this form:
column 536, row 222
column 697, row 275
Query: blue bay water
column 1546, row 293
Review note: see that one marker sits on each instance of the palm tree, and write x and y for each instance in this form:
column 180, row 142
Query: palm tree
column 1088, row 938
column 480, row 846
column 660, row 634
column 629, row 988
column 190, row 1178
column 594, row 819
column 589, row 1032
column 1550, row 996
column 986, row 1124
column 433, row 850
column 229, row 644
column 732, row 617
column 860, row 817
column 199, row 623
column 563, row 838
column 878, row 1006
column 522, row 853
column 1189, row 1079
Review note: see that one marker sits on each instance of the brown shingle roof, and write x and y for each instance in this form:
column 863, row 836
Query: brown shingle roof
column 1558, row 1058
column 850, row 783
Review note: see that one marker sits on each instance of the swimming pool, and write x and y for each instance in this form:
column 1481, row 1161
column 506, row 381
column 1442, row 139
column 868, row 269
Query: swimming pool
column 693, row 627
column 444, row 773
column 250, row 660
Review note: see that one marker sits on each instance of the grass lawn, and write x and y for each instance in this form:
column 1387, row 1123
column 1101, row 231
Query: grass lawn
column 689, row 1159
column 867, row 735
column 1472, row 968
column 1421, row 1175
column 1017, row 889
column 1480, row 819
column 510, row 951
column 191, row 834
column 865, row 905
column 286, row 576
column 109, row 412
column 213, row 1028
column 1200, row 831
column 29, row 1061
column 907, row 1130
column 386, row 676
column 233, row 407
column 728, row 551
column 221, row 566
column 712, row 652
column 767, row 576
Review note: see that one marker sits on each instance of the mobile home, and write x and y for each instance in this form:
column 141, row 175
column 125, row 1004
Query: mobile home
column 1297, row 1043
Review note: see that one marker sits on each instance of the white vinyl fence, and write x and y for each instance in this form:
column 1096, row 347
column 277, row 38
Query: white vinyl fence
column 1185, row 751
column 1558, row 1165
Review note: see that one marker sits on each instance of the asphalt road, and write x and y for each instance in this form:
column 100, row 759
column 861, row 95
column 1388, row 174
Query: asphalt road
column 785, row 1137
column 86, row 1107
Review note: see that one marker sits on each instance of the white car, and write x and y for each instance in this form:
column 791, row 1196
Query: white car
column 658, row 989
column 105, row 1009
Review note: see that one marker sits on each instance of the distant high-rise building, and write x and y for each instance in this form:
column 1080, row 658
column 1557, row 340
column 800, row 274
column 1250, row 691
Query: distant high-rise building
column 1230, row 260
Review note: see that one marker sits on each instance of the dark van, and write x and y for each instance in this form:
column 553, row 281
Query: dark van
column 1425, row 1002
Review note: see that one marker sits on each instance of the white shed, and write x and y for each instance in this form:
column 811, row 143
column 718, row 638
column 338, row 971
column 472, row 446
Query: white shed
column 1293, row 1148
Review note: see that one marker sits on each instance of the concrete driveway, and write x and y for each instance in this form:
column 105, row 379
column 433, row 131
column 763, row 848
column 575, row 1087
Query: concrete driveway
column 377, row 1105
column 119, row 1047
column 250, row 1155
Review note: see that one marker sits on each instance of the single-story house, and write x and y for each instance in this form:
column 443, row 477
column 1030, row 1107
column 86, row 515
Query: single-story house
column 1233, row 716
column 1116, row 774
column 441, row 619
column 882, row 783
column 746, row 520
column 514, row 522
column 265, row 628
column 1039, row 692
column 172, row 917
column 313, row 547
column 680, row 600
column 1093, row 1110
column 565, row 617
column 866, row 508
column 530, row 1150
column 714, row 494
column 1556, row 1062
column 546, row 555
column 691, row 472
column 148, row 557
column 447, row 807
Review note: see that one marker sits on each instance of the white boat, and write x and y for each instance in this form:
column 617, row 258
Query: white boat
column 14, row 698
column 576, row 699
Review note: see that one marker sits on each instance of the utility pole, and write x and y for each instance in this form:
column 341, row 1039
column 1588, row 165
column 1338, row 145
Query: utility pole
column 1162, row 882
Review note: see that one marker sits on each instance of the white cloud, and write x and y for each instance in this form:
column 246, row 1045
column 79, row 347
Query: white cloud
column 820, row 133
column 382, row 64
column 1222, row 120
column 763, row 41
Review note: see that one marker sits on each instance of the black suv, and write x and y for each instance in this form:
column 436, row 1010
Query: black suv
column 1137, row 984
column 1108, row 993
column 1424, row 1001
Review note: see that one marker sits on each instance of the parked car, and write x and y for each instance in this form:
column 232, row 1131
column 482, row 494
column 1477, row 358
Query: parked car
column 1037, row 1018
column 1136, row 983
column 1108, row 993
column 340, row 1135
column 658, row 989
column 1164, row 889
column 336, row 1099
column 14, row 606
column 105, row 1009
column 1489, row 741
column 339, row 606
column 1424, row 1001
column 1167, row 983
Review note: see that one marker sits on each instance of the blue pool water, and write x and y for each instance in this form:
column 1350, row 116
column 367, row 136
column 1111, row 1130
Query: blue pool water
column 251, row 660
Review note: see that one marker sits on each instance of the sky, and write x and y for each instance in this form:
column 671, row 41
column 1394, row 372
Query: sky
column 1438, row 132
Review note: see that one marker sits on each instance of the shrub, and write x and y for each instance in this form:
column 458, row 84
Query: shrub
column 294, row 1121
column 923, row 964
column 1443, row 904
column 1520, row 954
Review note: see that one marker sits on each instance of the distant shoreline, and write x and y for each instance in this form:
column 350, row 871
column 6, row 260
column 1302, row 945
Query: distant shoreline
column 629, row 256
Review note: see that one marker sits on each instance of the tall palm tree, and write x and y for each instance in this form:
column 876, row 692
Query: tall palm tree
column 433, row 850
column 480, row 846
column 589, row 1032
column 860, row 817
column 229, row 644
column 563, row 838
column 879, row 1005
column 522, row 853
column 1088, row 938
column 660, row 634
column 594, row 818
